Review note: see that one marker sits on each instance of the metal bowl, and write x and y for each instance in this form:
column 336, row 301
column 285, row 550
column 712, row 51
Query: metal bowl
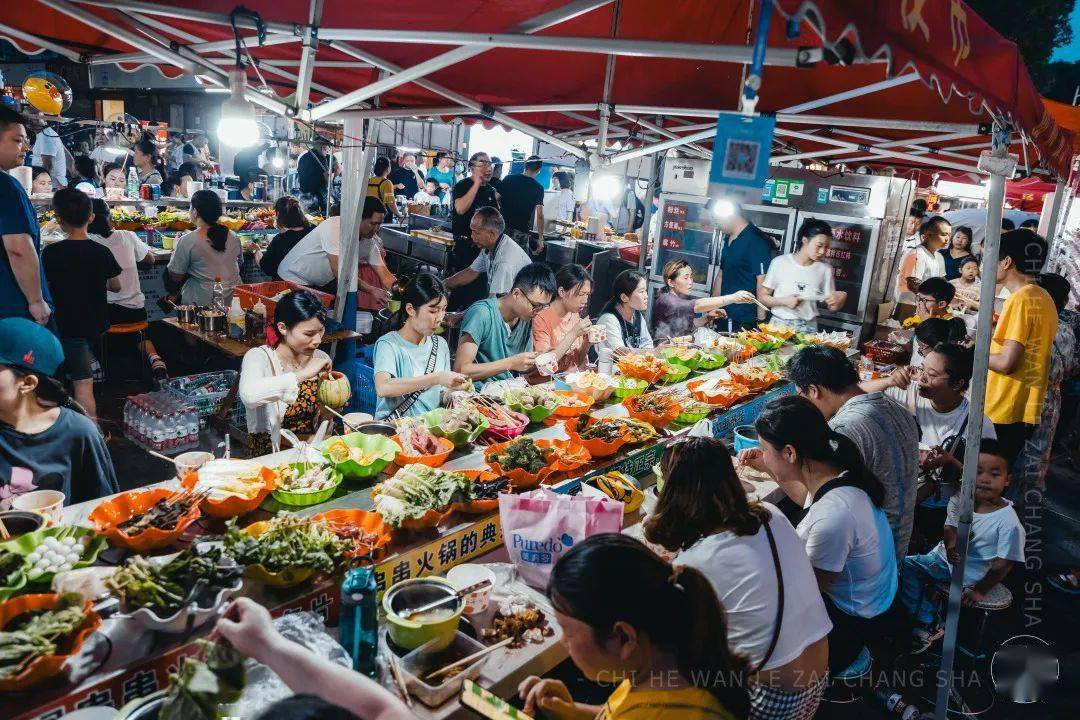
column 21, row 522
column 212, row 321
column 188, row 314
column 377, row 428
column 414, row 632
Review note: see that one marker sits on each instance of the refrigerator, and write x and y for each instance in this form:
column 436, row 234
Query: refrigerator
column 866, row 213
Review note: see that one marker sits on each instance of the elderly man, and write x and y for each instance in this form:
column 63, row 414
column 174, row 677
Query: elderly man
column 500, row 257
column 406, row 177
column 467, row 195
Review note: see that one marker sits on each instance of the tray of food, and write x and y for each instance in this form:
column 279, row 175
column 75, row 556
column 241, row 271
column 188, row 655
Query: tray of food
column 286, row 550
column 145, row 520
column 303, row 484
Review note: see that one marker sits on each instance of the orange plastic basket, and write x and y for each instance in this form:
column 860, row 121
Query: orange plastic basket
column 723, row 394
column 433, row 461
column 250, row 293
column 479, row 507
column 47, row 666
column 109, row 514
column 596, row 447
column 569, row 411
column 366, row 520
column 657, row 420
column 234, row 505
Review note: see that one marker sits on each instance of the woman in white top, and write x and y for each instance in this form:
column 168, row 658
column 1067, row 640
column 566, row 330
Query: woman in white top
column 846, row 533
column 923, row 261
column 129, row 304
column 744, row 549
column 566, row 206
column 796, row 283
column 623, row 318
column 412, row 363
column 208, row 253
column 278, row 385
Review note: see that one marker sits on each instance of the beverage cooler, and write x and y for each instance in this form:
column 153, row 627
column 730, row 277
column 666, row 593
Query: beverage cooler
column 866, row 213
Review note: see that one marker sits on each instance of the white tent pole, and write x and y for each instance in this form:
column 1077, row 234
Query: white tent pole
column 307, row 55
column 609, row 78
column 916, row 143
column 468, row 105
column 199, row 47
column 659, row 147
column 888, row 144
column 451, row 57
column 180, row 13
column 1000, row 165
column 1049, row 230
column 849, row 94
column 784, row 132
column 663, row 132
column 40, row 42
column 654, row 171
column 356, row 161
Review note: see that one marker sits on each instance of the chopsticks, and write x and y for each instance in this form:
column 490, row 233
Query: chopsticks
column 159, row 456
column 449, row 669
column 4, row 534
column 395, row 671
column 341, row 417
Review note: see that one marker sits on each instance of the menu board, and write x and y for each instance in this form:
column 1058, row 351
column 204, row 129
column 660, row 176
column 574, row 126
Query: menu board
column 849, row 253
column 686, row 233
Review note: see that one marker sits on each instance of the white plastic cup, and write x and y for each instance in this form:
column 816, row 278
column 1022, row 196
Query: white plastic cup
column 193, row 187
column 47, row 503
column 468, row 574
column 189, row 461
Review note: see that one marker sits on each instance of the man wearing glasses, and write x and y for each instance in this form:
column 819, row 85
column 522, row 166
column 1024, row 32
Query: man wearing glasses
column 469, row 194
column 496, row 333
column 500, row 258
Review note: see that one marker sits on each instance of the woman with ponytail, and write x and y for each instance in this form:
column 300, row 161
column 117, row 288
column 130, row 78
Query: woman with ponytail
column 654, row 632
column 847, row 535
column 147, row 163
column 756, row 564
column 41, row 428
column 412, row 363
column 208, row 252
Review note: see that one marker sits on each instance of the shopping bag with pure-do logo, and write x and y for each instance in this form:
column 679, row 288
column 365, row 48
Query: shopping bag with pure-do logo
column 541, row 526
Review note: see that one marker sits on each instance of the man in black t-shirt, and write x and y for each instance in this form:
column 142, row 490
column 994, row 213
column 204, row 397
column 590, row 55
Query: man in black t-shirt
column 468, row 195
column 313, row 171
column 247, row 160
column 522, row 201
column 79, row 272
column 407, row 178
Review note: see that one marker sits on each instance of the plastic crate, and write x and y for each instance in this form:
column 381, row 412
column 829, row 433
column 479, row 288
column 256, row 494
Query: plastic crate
column 193, row 389
column 250, row 293
column 362, row 380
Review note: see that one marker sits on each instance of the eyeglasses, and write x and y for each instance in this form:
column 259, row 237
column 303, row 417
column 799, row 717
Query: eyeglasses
column 536, row 307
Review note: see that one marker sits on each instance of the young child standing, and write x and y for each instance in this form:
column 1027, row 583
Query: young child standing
column 967, row 285
column 997, row 543
column 79, row 272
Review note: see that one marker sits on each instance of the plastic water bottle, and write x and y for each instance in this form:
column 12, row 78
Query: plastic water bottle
column 359, row 622
column 132, row 183
column 896, row 705
column 605, row 360
column 218, row 295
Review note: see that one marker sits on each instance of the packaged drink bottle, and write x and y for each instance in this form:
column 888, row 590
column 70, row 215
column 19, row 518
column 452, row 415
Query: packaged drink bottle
column 132, row 183
column 359, row 623
column 218, row 295
column 896, row 705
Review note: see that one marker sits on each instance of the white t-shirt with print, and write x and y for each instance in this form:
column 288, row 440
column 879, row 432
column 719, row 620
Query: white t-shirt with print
column 812, row 282
column 936, row 427
column 996, row 534
column 742, row 572
column 308, row 263
column 846, row 534
column 501, row 269
column 48, row 144
column 128, row 249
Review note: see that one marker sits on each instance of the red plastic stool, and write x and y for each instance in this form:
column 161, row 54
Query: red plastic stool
column 132, row 328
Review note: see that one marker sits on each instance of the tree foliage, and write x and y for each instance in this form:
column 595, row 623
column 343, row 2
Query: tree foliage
column 1037, row 27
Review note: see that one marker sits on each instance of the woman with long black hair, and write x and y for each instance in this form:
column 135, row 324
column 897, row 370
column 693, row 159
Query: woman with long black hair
column 279, row 384
column 147, row 164
column 412, row 363
column 847, row 535
column 629, row 618
column 42, row 428
column 623, row 317
column 209, row 252
column 750, row 553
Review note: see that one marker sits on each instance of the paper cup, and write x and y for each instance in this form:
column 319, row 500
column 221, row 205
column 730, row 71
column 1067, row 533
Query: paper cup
column 186, row 462
column 356, row 419
column 463, row 576
column 47, row 503
column 597, row 334
column 547, row 363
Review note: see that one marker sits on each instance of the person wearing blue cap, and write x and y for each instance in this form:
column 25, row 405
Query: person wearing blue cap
column 41, row 427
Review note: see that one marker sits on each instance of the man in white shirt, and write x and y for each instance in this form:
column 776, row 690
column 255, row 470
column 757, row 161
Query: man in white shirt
column 923, row 261
column 49, row 153
column 314, row 260
column 500, row 258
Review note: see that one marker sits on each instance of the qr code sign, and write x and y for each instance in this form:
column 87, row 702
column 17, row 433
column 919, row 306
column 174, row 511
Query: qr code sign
column 741, row 159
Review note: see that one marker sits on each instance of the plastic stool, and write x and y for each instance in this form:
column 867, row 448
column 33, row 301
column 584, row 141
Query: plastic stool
column 850, row 684
column 132, row 328
column 997, row 599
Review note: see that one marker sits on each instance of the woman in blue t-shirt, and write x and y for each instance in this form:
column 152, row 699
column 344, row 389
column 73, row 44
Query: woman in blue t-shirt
column 412, row 363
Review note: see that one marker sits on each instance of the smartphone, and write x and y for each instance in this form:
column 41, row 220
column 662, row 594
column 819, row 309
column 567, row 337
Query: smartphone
column 490, row 706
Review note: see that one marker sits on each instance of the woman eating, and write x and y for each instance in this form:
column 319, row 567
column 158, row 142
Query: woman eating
column 797, row 282
column 289, row 217
column 412, row 363
column 628, row 616
column 278, row 385
column 208, row 252
column 676, row 314
column 41, row 183
column 114, row 177
column 42, row 428
column 957, row 252
column 146, row 162
column 775, row 616
column 845, row 531
column 559, row 328
column 623, row 318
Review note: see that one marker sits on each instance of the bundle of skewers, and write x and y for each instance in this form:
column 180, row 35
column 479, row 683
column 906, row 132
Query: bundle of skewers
column 497, row 416
column 165, row 513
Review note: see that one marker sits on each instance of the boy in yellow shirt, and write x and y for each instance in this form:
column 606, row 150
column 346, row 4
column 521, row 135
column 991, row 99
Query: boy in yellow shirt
column 1021, row 344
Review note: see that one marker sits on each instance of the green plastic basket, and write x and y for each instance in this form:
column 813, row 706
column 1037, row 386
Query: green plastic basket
column 535, row 414
column 711, row 361
column 25, row 544
column 669, row 354
column 432, row 418
column 627, row 387
column 386, row 448
column 304, row 499
column 677, row 375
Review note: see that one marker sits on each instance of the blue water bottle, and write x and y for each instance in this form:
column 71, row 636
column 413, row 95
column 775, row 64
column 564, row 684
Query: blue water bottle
column 359, row 624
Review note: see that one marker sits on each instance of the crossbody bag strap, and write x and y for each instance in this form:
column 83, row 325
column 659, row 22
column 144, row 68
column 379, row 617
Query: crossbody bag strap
column 779, row 599
column 409, row 400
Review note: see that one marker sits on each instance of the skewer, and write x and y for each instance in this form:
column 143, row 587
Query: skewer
column 159, row 456
column 447, row 670
column 341, row 417
column 4, row 534
column 395, row 671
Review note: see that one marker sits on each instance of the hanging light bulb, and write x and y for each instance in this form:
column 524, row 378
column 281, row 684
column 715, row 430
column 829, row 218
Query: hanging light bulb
column 237, row 127
column 605, row 187
column 723, row 208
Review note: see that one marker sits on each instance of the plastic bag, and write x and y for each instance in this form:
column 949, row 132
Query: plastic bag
column 539, row 527
column 264, row 687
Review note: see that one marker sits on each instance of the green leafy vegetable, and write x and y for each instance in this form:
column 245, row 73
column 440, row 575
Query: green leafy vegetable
column 189, row 577
column 417, row 488
column 202, row 685
column 12, row 566
column 287, row 542
column 38, row 634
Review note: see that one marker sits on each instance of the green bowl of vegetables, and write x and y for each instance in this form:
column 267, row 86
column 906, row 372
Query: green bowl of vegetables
column 677, row 373
column 322, row 480
column 460, row 427
column 627, row 386
column 711, row 360
column 682, row 356
column 692, row 412
column 359, row 455
column 534, row 403
column 56, row 549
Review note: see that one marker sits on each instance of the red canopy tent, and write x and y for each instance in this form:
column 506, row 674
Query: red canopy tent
column 888, row 83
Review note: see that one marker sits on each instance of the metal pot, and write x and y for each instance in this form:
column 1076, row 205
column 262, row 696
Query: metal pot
column 212, row 321
column 21, row 522
column 377, row 428
column 414, row 632
column 188, row 314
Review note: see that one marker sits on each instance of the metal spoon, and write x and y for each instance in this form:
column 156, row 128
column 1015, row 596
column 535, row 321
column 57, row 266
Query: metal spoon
column 408, row 613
